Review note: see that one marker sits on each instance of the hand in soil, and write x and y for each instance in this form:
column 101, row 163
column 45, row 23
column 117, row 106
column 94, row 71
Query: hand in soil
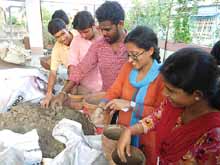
column 46, row 101
column 57, row 102
column 124, row 145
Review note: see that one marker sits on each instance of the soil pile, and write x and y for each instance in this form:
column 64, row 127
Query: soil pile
column 25, row 117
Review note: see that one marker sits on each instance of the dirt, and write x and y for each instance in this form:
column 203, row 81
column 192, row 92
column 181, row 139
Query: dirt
column 25, row 117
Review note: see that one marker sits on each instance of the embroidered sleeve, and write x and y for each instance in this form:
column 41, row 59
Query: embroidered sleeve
column 150, row 121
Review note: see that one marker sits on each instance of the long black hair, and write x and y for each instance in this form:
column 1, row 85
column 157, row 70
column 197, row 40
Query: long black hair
column 216, row 52
column 193, row 69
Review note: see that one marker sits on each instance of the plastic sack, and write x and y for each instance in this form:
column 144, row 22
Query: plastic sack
column 9, row 156
column 12, row 53
column 27, row 144
column 19, row 85
column 80, row 149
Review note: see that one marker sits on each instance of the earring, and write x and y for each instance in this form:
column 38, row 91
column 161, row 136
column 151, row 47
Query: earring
column 197, row 98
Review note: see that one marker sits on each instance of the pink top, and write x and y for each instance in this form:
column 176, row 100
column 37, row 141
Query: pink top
column 102, row 55
column 78, row 49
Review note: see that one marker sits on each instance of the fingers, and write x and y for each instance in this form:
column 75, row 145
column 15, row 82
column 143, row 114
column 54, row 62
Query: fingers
column 55, row 105
column 128, row 150
column 121, row 153
column 112, row 112
column 112, row 105
column 109, row 104
column 44, row 104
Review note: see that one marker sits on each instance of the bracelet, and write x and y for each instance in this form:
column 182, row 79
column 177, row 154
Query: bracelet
column 143, row 125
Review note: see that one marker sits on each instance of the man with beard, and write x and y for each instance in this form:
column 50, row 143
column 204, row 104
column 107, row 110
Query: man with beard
column 108, row 53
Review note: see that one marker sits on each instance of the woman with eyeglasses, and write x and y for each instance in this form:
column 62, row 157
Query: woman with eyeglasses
column 137, row 91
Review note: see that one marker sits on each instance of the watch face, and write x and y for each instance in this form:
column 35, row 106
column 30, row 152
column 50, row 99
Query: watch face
column 132, row 104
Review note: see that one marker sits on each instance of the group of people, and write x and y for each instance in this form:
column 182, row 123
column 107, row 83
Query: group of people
column 170, row 110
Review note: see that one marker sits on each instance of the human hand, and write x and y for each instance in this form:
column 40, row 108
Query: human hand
column 57, row 102
column 46, row 101
column 117, row 104
column 97, row 116
column 102, row 105
column 123, row 145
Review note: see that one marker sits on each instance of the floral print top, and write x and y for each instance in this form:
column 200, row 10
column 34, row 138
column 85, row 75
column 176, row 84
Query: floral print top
column 206, row 151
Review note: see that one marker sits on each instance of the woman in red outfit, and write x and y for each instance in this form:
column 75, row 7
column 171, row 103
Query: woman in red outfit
column 188, row 121
column 137, row 91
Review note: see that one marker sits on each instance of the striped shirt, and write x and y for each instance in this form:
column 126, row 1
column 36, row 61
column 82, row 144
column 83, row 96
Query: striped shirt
column 102, row 55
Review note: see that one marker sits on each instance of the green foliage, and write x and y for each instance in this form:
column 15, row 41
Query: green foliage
column 16, row 22
column 181, row 20
column 155, row 14
column 152, row 13
column 46, row 16
column 48, row 38
column 13, row 20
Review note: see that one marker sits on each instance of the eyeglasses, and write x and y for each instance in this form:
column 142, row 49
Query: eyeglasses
column 134, row 56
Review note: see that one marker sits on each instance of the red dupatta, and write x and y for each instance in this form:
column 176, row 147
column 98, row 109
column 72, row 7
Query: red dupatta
column 173, row 144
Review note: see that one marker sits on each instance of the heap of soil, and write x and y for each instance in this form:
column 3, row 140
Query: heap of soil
column 25, row 117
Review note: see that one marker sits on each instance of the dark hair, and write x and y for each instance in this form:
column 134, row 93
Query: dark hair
column 83, row 20
column 144, row 37
column 110, row 11
column 62, row 15
column 216, row 52
column 193, row 69
column 56, row 25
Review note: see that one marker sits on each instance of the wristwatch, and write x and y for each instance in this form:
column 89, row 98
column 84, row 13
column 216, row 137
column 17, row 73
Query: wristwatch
column 132, row 105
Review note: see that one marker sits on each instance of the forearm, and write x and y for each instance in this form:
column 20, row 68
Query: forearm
column 51, row 82
column 136, row 129
column 68, row 86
